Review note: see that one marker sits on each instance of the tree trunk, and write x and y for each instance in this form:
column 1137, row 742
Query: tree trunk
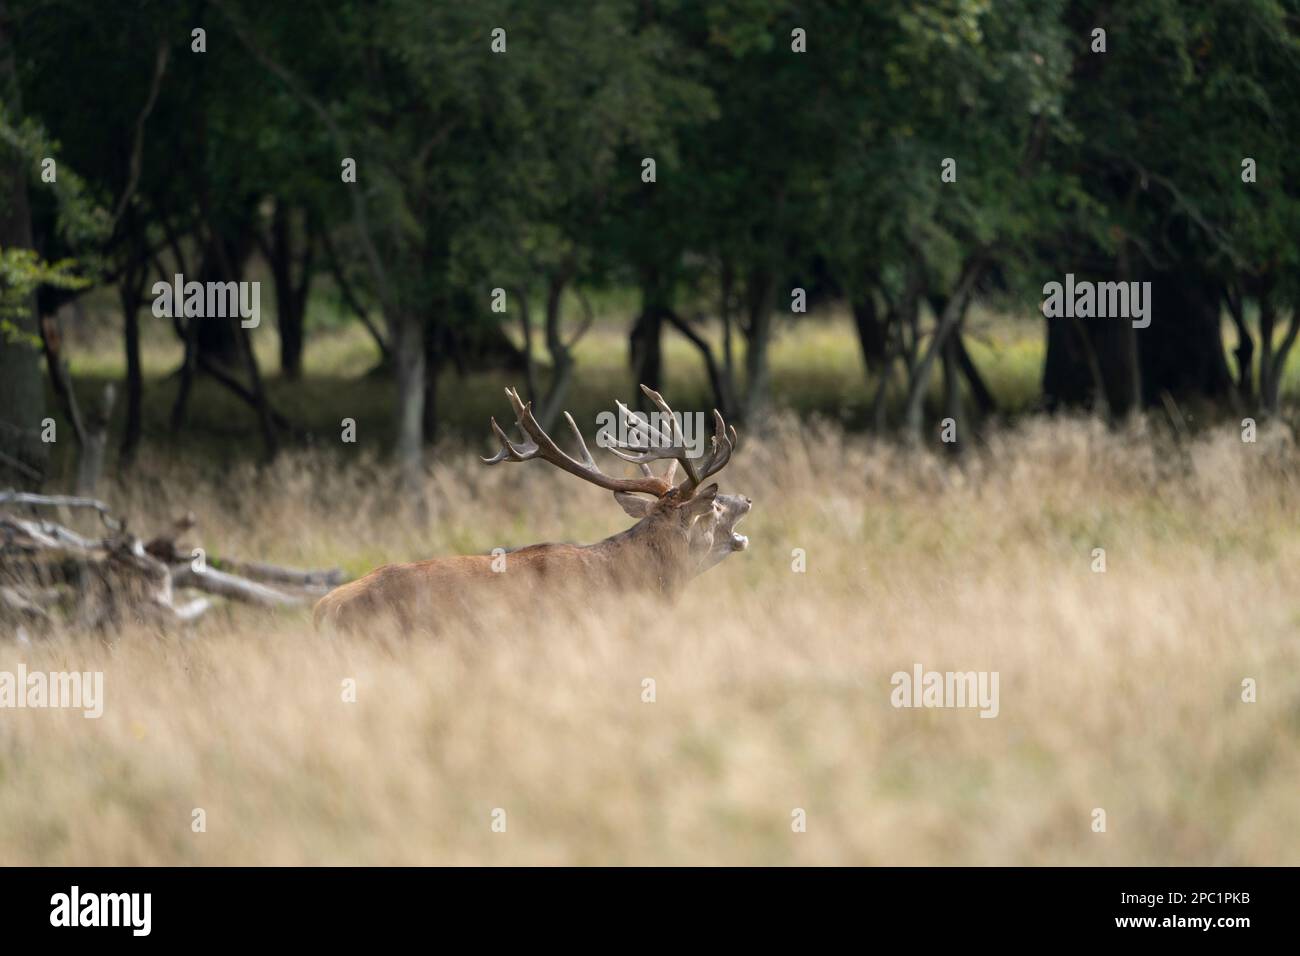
column 409, row 354
column 722, row 399
column 217, row 339
column 952, row 392
column 1180, row 353
column 872, row 332
column 529, row 355
column 758, row 336
column 728, row 313
column 90, row 457
column 945, row 325
column 265, row 416
column 23, row 456
column 189, row 368
column 561, row 356
column 1245, row 350
column 130, row 291
column 984, row 399
column 290, row 295
column 226, row 259
column 433, row 360
column 1272, row 357
column 646, row 340
column 212, row 341
column 1279, row 360
column 352, row 302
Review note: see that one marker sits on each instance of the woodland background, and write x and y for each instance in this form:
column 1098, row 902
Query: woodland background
column 522, row 171
column 775, row 170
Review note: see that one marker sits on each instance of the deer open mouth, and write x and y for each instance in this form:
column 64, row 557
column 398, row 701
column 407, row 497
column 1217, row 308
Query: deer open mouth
column 738, row 541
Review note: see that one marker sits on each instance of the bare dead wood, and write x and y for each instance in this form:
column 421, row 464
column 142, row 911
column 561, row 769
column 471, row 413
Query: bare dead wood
column 276, row 574
column 90, row 459
column 118, row 576
column 50, row 536
column 212, row 581
column 192, row 610
column 62, row 501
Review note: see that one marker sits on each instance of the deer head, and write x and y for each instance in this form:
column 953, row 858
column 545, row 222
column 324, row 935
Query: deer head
column 684, row 527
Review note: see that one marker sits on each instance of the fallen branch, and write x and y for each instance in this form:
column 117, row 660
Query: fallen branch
column 61, row 501
column 118, row 576
column 212, row 581
column 192, row 611
column 46, row 535
column 274, row 574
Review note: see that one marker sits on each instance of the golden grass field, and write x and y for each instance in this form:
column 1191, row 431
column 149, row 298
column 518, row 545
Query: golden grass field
column 1118, row 690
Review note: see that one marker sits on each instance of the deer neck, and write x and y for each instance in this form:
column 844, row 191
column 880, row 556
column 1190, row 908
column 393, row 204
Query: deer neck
column 648, row 554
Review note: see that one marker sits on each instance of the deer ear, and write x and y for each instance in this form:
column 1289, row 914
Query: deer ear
column 635, row 506
column 702, row 500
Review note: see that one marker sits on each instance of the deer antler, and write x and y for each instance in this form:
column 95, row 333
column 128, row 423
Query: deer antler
column 723, row 443
column 659, row 443
column 538, row 444
column 667, row 442
column 663, row 442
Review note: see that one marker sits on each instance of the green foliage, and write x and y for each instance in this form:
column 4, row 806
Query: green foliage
column 80, row 220
column 480, row 169
column 22, row 272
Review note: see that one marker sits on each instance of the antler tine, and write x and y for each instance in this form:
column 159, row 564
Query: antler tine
column 509, row 452
column 641, row 424
column 582, row 444
column 662, row 445
column 723, row 443
column 525, row 451
column 649, row 449
column 538, row 444
column 528, row 424
column 678, row 439
column 670, row 473
column 664, row 407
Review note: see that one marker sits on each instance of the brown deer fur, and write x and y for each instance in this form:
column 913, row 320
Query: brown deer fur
column 683, row 530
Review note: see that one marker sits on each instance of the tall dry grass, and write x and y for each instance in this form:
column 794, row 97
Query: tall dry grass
column 1118, row 690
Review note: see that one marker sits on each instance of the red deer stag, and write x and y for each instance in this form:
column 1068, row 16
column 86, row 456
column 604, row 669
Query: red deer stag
column 682, row 530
